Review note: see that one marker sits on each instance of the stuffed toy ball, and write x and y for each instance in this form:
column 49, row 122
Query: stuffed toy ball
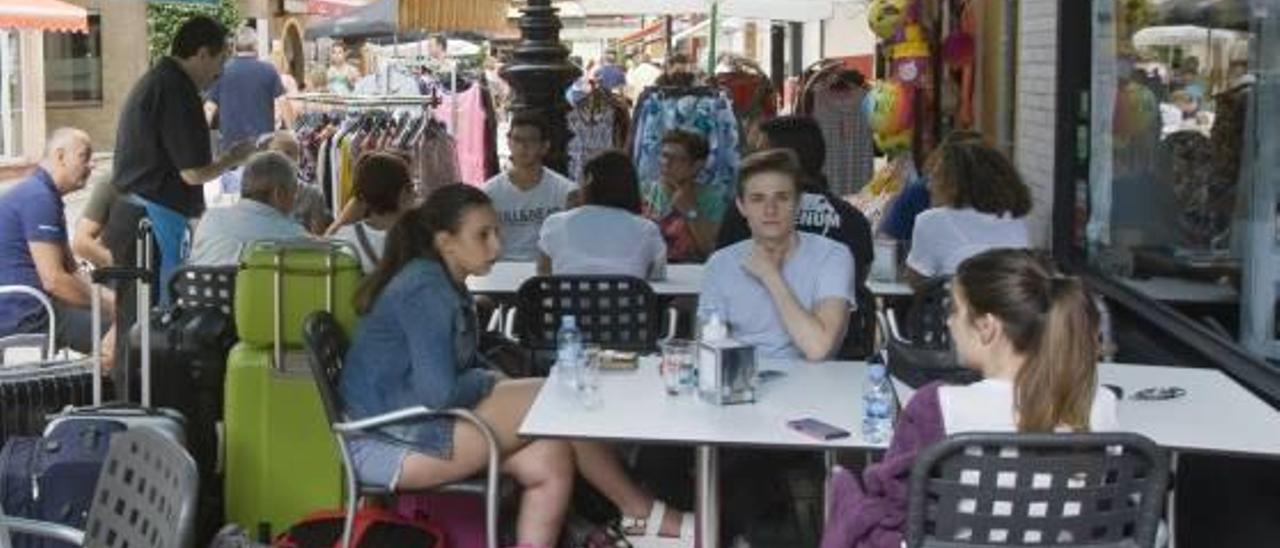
column 889, row 112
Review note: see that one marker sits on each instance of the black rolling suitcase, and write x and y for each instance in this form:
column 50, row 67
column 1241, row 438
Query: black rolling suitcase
column 30, row 392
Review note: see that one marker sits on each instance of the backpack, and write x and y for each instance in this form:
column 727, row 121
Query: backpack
column 373, row 528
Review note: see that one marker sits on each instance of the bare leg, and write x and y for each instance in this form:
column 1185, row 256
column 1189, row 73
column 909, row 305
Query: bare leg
column 600, row 466
column 543, row 468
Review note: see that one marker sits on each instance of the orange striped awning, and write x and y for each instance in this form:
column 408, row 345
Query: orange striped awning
column 46, row 15
column 454, row 15
column 642, row 34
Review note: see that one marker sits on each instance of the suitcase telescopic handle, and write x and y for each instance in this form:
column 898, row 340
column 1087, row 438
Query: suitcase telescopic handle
column 118, row 274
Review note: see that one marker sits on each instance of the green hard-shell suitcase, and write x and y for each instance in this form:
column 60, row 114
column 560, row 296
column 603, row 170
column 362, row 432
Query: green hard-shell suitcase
column 282, row 462
column 315, row 276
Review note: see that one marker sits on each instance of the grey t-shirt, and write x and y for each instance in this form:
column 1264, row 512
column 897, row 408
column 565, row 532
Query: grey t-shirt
column 818, row 268
column 521, row 212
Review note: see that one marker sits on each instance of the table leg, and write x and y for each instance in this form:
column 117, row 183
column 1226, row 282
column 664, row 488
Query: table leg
column 1171, row 503
column 829, row 471
column 708, row 496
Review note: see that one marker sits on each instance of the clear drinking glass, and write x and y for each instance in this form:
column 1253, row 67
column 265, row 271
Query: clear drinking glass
column 677, row 365
column 589, row 378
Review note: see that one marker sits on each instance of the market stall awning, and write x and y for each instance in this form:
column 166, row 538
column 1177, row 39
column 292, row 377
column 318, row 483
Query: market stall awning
column 484, row 16
column 640, row 36
column 380, row 18
column 777, row 10
column 46, row 15
column 401, row 17
column 1185, row 35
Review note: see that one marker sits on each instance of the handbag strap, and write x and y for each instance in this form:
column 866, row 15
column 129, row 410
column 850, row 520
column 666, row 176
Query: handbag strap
column 365, row 246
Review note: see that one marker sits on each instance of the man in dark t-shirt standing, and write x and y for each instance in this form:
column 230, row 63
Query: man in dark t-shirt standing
column 163, row 156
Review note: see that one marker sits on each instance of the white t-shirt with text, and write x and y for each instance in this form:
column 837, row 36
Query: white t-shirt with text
column 594, row 239
column 521, row 212
column 944, row 237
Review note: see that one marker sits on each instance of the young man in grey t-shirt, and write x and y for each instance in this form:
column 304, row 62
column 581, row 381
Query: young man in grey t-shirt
column 528, row 193
column 788, row 293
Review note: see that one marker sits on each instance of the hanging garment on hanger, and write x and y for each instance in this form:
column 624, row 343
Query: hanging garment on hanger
column 597, row 123
column 837, row 108
column 469, row 135
column 704, row 110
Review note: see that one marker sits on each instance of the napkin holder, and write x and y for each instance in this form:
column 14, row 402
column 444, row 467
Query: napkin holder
column 726, row 372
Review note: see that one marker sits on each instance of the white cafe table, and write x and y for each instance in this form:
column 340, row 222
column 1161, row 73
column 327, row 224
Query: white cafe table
column 506, row 277
column 1216, row 415
column 635, row 408
column 895, row 288
column 1178, row 290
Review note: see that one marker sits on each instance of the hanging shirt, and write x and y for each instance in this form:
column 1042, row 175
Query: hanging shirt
column 593, row 132
column 521, row 212
column 850, row 155
column 468, row 133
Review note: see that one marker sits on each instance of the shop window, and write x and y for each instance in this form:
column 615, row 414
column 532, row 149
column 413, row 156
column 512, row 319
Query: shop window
column 1167, row 149
column 10, row 94
column 73, row 65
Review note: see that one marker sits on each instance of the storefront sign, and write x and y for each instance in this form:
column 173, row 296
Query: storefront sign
column 331, row 8
column 206, row 2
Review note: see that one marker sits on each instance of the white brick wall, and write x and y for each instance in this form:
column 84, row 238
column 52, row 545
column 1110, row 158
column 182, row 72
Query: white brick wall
column 1036, row 112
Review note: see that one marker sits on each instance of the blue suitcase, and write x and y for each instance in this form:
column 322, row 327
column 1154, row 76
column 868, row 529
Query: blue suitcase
column 49, row 478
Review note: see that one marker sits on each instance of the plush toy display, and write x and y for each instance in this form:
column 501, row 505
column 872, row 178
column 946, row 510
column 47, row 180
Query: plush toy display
column 888, row 106
column 910, row 55
column 886, row 17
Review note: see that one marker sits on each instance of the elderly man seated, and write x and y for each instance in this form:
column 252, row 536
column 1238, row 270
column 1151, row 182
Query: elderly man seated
column 34, row 250
column 267, row 193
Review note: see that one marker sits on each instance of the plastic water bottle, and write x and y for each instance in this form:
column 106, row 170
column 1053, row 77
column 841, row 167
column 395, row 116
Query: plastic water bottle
column 568, row 351
column 878, row 407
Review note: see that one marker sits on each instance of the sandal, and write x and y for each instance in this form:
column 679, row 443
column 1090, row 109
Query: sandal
column 652, row 527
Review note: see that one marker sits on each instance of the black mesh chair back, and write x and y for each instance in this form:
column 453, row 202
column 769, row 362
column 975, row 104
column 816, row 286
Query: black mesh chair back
column 926, row 321
column 146, row 494
column 860, row 334
column 616, row 312
column 1008, row 489
column 194, row 287
column 326, row 345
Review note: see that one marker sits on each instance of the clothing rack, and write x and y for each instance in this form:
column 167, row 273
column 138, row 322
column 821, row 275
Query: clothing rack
column 366, row 101
column 686, row 91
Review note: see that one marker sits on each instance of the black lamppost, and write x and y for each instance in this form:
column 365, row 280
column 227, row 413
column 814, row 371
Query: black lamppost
column 538, row 74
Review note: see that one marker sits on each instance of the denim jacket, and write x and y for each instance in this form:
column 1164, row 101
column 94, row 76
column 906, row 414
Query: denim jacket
column 418, row 345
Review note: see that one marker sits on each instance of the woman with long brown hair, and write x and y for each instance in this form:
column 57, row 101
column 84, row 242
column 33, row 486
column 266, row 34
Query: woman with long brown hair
column 1033, row 334
column 416, row 344
column 979, row 202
